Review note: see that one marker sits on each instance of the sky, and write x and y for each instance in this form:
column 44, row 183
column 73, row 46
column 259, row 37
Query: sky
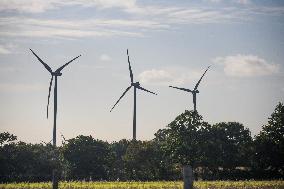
column 169, row 42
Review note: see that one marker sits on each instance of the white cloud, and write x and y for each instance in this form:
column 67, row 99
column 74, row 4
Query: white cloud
column 148, row 19
column 201, row 16
column 32, row 27
column 233, row 1
column 128, row 6
column 7, row 48
column 214, row 1
column 28, row 6
column 169, row 76
column 8, row 69
column 67, row 33
column 246, row 66
column 112, row 3
column 156, row 76
column 140, row 18
column 39, row 6
column 243, row 2
column 19, row 87
column 105, row 58
column 4, row 50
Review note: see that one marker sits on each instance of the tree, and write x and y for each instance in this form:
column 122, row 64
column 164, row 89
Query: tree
column 87, row 158
column 118, row 171
column 144, row 160
column 229, row 151
column 188, row 140
column 182, row 139
column 20, row 161
column 233, row 142
column 139, row 161
column 6, row 137
column 269, row 145
column 33, row 162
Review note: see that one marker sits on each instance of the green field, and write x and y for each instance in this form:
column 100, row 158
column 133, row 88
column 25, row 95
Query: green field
column 151, row 185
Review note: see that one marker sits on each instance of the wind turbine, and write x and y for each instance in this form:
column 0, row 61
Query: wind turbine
column 194, row 91
column 55, row 74
column 135, row 85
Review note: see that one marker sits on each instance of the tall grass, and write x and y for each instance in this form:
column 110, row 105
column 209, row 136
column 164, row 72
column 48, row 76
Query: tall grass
column 149, row 185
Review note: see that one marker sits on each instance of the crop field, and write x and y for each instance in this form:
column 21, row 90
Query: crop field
column 150, row 185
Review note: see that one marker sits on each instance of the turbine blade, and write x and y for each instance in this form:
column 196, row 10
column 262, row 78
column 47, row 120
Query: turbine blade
column 130, row 70
column 139, row 87
column 49, row 89
column 61, row 68
column 121, row 97
column 184, row 89
column 201, row 78
column 43, row 63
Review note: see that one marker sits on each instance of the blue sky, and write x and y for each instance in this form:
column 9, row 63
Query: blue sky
column 170, row 43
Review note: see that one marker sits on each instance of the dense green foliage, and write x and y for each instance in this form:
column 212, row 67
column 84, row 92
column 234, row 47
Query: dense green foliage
column 150, row 185
column 269, row 146
column 218, row 151
column 87, row 158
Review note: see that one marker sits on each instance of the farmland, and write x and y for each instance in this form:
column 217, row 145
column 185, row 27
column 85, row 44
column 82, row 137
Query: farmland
column 150, row 185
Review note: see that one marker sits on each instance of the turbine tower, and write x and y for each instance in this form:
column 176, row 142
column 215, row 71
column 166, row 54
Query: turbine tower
column 135, row 85
column 54, row 74
column 194, row 91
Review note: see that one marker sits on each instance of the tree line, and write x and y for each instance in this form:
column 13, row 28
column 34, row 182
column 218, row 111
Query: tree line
column 222, row 151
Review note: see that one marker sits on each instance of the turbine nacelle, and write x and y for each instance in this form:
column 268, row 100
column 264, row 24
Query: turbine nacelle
column 196, row 91
column 56, row 74
column 136, row 84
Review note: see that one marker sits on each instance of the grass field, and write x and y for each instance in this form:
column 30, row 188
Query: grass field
column 150, row 185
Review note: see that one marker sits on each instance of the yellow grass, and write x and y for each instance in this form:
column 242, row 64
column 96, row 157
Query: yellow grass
column 150, row 185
